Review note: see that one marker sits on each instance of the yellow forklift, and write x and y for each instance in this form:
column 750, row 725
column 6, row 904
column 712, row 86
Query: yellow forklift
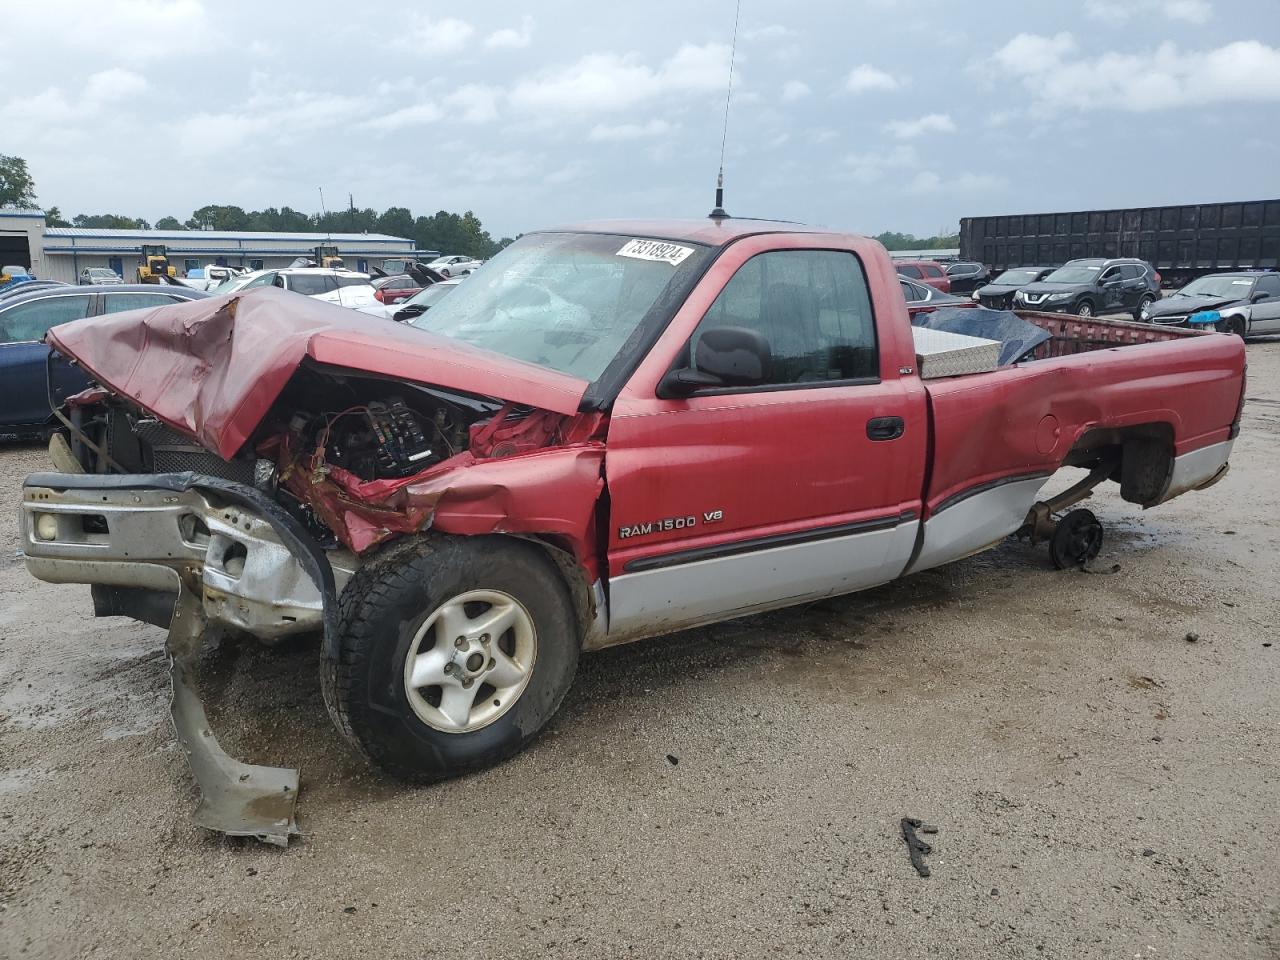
column 328, row 257
column 155, row 266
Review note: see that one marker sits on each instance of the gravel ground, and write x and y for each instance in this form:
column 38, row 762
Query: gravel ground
column 1102, row 786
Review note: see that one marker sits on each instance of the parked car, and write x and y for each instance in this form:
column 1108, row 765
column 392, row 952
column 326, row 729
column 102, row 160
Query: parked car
column 206, row 278
column 99, row 276
column 611, row 432
column 14, row 289
column 416, row 305
column 1093, row 286
column 998, row 294
column 24, row 387
column 922, row 298
column 926, row 271
column 455, row 266
column 1248, row 302
column 391, row 290
column 343, row 287
column 966, row 275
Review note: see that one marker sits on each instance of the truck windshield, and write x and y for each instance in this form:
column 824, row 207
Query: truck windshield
column 1070, row 274
column 568, row 301
column 1233, row 287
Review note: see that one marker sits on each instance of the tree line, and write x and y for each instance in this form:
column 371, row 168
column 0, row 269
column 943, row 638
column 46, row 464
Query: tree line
column 444, row 231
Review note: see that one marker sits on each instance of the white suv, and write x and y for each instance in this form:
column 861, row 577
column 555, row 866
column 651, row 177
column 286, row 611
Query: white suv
column 342, row 287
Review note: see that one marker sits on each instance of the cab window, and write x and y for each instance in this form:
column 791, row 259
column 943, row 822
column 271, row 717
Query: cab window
column 28, row 322
column 911, row 271
column 813, row 309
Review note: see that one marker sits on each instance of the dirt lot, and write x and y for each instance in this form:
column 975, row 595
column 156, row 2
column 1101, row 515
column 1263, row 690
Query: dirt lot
column 1103, row 786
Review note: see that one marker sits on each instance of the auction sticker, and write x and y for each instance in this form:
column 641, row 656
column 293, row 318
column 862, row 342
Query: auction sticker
column 659, row 250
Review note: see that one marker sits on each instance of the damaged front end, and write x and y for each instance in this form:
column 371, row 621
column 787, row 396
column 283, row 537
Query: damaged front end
column 214, row 552
column 238, row 487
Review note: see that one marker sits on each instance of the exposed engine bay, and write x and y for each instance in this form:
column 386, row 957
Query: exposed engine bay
column 333, row 445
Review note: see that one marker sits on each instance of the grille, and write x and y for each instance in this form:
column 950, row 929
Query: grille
column 171, row 452
column 997, row 303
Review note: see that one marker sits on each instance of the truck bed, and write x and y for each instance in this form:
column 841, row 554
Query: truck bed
column 1021, row 420
column 1072, row 335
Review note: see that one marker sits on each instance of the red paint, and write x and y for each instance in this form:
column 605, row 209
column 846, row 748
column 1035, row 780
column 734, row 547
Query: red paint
column 745, row 465
column 212, row 368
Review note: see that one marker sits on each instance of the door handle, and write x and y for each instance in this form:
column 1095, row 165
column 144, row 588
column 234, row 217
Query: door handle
column 885, row 428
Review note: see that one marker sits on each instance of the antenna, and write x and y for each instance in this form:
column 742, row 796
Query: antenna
column 324, row 214
column 718, row 213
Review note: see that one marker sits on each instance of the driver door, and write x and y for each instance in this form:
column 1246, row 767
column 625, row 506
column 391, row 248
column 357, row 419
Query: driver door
column 1112, row 292
column 805, row 484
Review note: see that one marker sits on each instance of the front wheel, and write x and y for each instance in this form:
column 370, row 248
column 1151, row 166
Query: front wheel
column 454, row 652
column 1235, row 325
column 1084, row 308
column 1144, row 305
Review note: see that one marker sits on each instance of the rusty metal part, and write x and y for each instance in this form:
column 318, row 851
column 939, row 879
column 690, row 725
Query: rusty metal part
column 1040, row 524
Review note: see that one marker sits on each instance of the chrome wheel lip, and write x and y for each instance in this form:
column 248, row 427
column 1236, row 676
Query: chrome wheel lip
column 452, row 659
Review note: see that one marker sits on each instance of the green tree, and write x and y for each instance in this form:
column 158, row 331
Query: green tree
column 907, row 241
column 17, row 189
column 169, row 223
column 53, row 218
column 109, row 221
column 219, row 217
column 396, row 221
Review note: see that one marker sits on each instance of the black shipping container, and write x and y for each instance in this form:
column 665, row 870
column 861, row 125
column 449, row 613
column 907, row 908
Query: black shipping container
column 1181, row 242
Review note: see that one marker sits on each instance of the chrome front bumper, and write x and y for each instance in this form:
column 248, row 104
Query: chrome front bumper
column 155, row 538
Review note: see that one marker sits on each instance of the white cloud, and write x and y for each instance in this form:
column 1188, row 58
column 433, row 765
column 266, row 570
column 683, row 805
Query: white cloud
column 602, row 82
column 510, row 38
column 415, row 115
column 929, row 123
column 773, row 31
column 1168, row 77
column 475, row 102
column 926, row 181
column 874, row 165
column 131, row 31
column 114, row 84
column 427, row 35
column 1192, row 11
column 1120, row 12
column 794, row 90
column 630, row 131
column 864, row 78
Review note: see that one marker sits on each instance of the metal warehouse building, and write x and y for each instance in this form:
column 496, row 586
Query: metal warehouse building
column 60, row 253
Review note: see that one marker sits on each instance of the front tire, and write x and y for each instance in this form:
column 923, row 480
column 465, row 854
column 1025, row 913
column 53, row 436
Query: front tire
column 1143, row 304
column 454, row 652
column 1084, row 309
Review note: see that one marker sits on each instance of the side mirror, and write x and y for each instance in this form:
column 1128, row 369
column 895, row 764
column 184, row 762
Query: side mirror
column 1260, row 295
column 724, row 357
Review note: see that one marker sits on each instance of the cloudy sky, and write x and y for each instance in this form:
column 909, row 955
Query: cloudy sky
column 861, row 114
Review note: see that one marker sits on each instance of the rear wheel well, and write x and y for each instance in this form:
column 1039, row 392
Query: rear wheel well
column 1144, row 454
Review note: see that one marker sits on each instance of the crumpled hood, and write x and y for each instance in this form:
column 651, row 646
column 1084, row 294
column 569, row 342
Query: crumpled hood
column 1170, row 306
column 212, row 368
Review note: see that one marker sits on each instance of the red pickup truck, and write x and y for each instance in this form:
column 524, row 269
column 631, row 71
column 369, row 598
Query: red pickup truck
column 611, row 431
